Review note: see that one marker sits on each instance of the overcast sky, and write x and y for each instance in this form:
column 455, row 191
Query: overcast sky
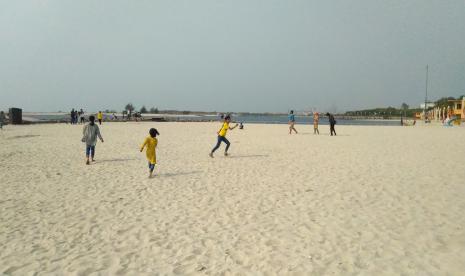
column 237, row 55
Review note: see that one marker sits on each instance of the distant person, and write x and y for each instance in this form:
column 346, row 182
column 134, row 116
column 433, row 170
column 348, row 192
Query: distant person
column 2, row 119
column 241, row 126
column 316, row 120
column 137, row 116
column 72, row 116
column 115, row 117
column 89, row 136
column 332, row 123
column 75, row 116
column 100, row 117
column 292, row 122
column 151, row 142
column 222, row 136
column 82, row 119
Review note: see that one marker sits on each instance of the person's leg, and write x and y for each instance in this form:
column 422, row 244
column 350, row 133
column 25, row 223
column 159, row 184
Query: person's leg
column 92, row 148
column 332, row 130
column 218, row 143
column 151, row 168
column 87, row 154
column 227, row 145
column 294, row 129
column 318, row 131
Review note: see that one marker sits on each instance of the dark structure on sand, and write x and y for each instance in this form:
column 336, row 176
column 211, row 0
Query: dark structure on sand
column 16, row 116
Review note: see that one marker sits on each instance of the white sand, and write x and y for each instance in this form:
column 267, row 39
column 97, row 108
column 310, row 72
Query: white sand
column 374, row 200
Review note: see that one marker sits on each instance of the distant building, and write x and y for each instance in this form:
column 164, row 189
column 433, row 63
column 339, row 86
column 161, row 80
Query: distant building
column 458, row 108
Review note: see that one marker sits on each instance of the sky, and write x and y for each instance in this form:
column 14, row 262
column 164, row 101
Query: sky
column 237, row 55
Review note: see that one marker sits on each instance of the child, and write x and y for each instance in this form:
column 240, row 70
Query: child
column 222, row 136
column 151, row 143
column 90, row 134
column 292, row 122
column 316, row 119
column 100, row 117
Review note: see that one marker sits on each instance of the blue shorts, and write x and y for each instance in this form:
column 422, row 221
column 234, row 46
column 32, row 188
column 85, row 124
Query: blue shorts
column 151, row 166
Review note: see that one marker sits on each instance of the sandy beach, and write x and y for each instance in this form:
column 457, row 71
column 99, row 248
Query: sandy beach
column 372, row 201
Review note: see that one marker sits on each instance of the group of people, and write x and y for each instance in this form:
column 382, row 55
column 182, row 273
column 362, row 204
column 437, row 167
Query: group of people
column 91, row 133
column 77, row 116
column 316, row 121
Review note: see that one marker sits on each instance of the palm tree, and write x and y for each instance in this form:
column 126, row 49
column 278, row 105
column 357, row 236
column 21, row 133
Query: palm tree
column 129, row 107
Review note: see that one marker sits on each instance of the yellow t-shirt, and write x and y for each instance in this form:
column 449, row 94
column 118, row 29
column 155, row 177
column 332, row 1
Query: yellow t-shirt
column 151, row 144
column 224, row 129
column 99, row 116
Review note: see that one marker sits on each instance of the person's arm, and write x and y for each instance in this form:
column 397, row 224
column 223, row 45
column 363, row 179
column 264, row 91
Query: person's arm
column 231, row 128
column 84, row 132
column 144, row 144
column 98, row 134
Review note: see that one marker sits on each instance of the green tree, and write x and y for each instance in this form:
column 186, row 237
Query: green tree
column 129, row 107
column 404, row 106
column 444, row 102
column 154, row 110
column 143, row 110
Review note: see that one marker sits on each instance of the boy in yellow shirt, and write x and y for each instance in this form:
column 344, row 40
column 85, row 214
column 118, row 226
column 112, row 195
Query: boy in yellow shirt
column 100, row 117
column 151, row 143
column 222, row 136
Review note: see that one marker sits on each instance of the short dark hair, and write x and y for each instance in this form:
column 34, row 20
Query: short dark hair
column 228, row 117
column 153, row 132
column 92, row 118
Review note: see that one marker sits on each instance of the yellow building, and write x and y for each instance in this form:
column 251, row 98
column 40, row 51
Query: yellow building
column 458, row 108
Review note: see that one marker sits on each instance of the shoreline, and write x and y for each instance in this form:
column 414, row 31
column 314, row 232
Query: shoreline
column 47, row 118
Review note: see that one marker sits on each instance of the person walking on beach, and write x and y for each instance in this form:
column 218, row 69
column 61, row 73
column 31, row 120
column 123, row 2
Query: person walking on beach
column 81, row 115
column 292, row 122
column 89, row 136
column 100, row 117
column 151, row 142
column 222, row 136
column 316, row 120
column 332, row 123
column 2, row 119
column 73, row 114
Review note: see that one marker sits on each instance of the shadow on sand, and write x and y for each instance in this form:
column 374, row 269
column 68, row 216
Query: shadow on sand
column 248, row 156
column 177, row 174
column 115, row 160
column 22, row 136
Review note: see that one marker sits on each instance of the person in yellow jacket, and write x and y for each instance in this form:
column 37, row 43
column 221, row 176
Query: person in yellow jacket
column 151, row 143
column 100, row 117
column 222, row 136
